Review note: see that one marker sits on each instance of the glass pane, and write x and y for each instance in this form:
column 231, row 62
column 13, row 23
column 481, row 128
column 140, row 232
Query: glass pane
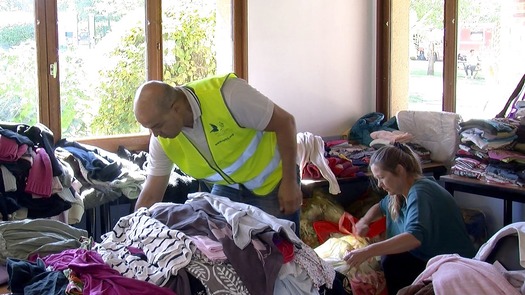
column 197, row 39
column 18, row 67
column 425, row 84
column 102, row 62
column 491, row 55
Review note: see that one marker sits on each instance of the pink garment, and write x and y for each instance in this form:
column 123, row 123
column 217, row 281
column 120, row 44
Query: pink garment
column 506, row 155
column 40, row 178
column 212, row 249
column 311, row 171
column 98, row 277
column 332, row 143
column 10, row 150
column 342, row 167
column 453, row 274
column 392, row 136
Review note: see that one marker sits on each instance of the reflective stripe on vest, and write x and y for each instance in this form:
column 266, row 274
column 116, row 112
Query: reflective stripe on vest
column 258, row 181
column 248, row 153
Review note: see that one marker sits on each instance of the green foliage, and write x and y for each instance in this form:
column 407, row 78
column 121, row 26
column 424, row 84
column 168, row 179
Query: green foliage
column 75, row 96
column 14, row 35
column 193, row 50
column 117, row 87
column 193, row 55
column 429, row 13
column 18, row 89
column 94, row 105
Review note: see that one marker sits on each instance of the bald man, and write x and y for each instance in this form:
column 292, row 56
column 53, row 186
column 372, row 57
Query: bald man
column 226, row 133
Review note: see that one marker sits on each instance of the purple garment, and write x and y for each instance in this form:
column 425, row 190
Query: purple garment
column 4, row 277
column 98, row 277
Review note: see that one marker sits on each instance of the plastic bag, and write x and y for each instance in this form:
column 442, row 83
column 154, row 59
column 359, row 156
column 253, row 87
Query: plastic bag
column 367, row 278
column 327, row 229
column 319, row 207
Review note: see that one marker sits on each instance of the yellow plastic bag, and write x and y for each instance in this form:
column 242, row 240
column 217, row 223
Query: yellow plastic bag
column 318, row 207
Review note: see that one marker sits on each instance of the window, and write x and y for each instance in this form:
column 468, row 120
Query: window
column 106, row 48
column 19, row 84
column 462, row 55
column 102, row 60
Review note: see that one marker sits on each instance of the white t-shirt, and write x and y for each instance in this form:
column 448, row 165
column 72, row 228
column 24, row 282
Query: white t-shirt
column 248, row 106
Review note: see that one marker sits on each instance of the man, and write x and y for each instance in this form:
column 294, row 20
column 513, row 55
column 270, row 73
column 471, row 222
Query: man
column 222, row 131
column 471, row 64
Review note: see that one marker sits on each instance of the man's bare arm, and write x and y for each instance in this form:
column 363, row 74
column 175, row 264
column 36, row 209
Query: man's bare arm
column 152, row 191
column 283, row 124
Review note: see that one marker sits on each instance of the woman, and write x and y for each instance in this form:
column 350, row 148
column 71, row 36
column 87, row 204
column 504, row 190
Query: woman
column 423, row 219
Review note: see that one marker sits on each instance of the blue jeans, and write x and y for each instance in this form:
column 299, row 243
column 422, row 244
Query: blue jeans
column 268, row 203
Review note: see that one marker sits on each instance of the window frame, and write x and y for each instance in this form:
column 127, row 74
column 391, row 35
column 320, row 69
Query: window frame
column 383, row 57
column 46, row 32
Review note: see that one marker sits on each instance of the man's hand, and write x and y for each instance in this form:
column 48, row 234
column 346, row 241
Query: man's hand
column 290, row 197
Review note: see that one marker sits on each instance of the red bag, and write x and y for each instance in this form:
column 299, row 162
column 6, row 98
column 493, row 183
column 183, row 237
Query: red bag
column 347, row 222
column 324, row 229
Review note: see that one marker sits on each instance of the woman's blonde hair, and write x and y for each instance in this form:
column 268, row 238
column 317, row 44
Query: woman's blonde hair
column 387, row 158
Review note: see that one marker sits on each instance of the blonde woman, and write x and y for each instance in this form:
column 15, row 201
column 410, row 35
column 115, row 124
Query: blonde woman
column 423, row 220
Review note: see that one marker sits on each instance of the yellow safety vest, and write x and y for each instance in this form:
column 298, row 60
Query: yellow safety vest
column 239, row 155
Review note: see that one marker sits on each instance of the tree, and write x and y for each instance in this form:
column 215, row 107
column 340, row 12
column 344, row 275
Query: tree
column 430, row 14
column 193, row 53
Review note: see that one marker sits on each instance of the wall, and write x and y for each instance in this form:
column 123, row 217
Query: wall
column 400, row 40
column 314, row 58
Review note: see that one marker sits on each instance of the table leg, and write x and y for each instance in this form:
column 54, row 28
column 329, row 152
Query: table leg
column 507, row 212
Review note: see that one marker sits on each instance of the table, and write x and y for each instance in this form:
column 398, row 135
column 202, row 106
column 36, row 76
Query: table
column 507, row 193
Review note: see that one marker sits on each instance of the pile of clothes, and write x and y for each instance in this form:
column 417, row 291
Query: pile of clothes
column 493, row 150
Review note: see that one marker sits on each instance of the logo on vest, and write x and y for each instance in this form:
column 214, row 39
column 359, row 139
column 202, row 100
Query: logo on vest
column 214, row 128
column 220, row 133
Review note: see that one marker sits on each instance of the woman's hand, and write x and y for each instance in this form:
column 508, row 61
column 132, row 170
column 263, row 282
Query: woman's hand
column 355, row 258
column 361, row 228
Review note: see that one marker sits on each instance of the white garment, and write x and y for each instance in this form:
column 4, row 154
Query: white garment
column 247, row 220
column 9, row 180
column 166, row 250
column 310, row 149
column 294, row 280
column 513, row 228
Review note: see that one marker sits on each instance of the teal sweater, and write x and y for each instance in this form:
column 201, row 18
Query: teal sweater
column 432, row 216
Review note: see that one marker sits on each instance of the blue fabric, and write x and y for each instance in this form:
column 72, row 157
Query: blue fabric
column 432, row 216
column 97, row 166
column 27, row 277
column 367, row 124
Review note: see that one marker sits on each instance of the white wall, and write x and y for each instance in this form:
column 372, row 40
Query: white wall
column 315, row 59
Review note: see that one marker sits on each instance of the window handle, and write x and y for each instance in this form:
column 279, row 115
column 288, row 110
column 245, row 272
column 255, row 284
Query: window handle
column 53, row 69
